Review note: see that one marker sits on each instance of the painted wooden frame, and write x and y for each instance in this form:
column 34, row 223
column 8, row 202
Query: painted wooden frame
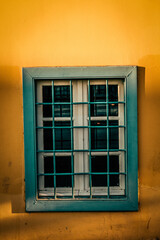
column 129, row 74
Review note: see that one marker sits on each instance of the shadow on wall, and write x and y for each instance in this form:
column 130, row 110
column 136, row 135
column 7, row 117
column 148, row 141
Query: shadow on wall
column 11, row 147
column 152, row 81
column 149, row 126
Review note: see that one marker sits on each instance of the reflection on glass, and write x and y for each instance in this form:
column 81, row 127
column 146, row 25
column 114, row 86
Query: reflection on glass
column 99, row 164
column 113, row 109
column 62, row 136
column 113, row 97
column 113, row 135
column 63, row 165
column 98, row 135
column 98, row 94
column 61, row 94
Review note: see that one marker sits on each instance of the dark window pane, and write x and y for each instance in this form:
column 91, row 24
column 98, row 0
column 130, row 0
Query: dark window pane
column 47, row 110
column 48, row 136
column 48, row 181
column 48, row 168
column 113, row 93
column 114, row 167
column 113, row 135
column 99, row 164
column 47, row 98
column 63, row 165
column 48, row 164
column 47, row 94
column 114, row 163
column 98, row 135
column 114, row 180
column 62, row 136
column 62, row 94
column 98, row 94
column 113, row 97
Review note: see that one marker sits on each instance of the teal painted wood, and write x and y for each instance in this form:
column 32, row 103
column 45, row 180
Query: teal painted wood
column 132, row 137
column 128, row 203
column 29, row 139
column 80, row 72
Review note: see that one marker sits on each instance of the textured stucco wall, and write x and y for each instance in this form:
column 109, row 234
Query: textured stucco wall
column 79, row 33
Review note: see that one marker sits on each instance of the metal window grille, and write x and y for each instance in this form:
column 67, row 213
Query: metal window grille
column 57, row 147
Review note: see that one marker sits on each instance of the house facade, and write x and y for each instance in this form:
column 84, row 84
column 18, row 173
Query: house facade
column 80, row 34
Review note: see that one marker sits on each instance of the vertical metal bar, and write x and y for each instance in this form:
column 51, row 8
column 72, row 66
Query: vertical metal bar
column 89, row 124
column 54, row 157
column 125, row 135
column 108, row 176
column 72, row 146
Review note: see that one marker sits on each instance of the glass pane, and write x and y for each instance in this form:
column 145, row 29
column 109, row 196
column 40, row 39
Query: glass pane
column 47, row 98
column 48, row 136
column 114, row 167
column 62, row 110
column 63, row 165
column 48, row 164
column 113, row 93
column 114, row 163
column 113, row 135
column 47, row 110
column 99, row 164
column 114, row 180
column 113, row 97
column 113, row 109
column 48, row 168
column 62, row 94
column 98, row 135
column 47, row 94
column 98, row 94
column 62, row 136
column 98, row 109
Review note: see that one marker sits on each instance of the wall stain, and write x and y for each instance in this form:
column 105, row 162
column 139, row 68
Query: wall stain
column 6, row 184
column 156, row 162
column 148, row 223
column 9, row 164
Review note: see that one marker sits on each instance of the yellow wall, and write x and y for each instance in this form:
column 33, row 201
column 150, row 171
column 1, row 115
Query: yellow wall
column 79, row 33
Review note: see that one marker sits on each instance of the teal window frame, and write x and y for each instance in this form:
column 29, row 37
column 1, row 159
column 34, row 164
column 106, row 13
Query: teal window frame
column 30, row 76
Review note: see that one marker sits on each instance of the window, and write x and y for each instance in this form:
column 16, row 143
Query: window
column 80, row 129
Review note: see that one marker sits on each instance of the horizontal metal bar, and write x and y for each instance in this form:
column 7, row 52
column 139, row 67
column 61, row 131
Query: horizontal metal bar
column 114, row 126
column 82, row 150
column 76, row 103
column 82, row 173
